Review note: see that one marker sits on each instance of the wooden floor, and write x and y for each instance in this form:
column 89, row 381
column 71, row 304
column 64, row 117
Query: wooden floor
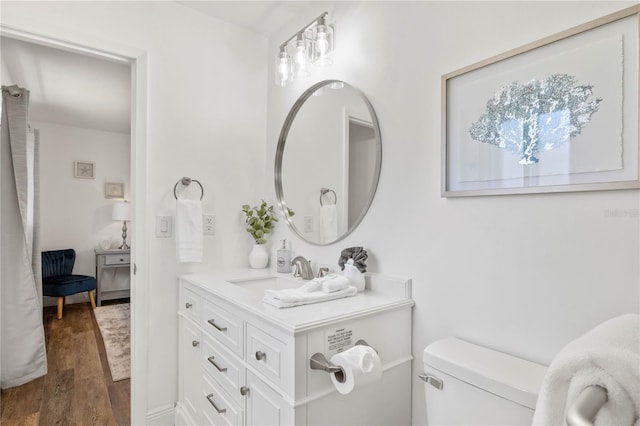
column 78, row 389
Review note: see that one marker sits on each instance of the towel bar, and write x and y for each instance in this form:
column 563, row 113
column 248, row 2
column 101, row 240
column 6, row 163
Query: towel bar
column 584, row 409
column 186, row 181
column 324, row 191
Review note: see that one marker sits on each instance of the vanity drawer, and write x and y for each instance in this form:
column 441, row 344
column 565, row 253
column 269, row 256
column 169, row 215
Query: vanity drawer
column 224, row 367
column 117, row 259
column 217, row 407
column 190, row 305
column 225, row 326
column 268, row 355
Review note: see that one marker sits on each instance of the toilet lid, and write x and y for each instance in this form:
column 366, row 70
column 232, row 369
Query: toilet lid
column 513, row 378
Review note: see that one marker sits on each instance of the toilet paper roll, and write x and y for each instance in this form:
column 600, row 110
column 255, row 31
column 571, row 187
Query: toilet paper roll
column 361, row 365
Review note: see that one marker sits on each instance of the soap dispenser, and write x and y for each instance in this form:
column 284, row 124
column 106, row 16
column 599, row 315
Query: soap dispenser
column 283, row 258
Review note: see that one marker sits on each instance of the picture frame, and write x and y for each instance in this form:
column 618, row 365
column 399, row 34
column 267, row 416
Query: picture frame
column 84, row 169
column 114, row 190
column 559, row 114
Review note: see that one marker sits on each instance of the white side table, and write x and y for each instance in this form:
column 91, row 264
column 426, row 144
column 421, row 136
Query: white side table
column 108, row 259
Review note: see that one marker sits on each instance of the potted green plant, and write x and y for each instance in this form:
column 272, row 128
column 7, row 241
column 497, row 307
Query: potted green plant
column 260, row 220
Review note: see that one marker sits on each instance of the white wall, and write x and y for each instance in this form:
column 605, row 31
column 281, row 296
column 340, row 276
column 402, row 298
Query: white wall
column 74, row 212
column 524, row 273
column 208, row 101
column 206, row 119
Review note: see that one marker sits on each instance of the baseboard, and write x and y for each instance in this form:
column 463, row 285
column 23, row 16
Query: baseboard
column 162, row 416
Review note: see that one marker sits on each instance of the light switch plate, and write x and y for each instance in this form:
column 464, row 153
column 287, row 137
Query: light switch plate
column 164, row 226
column 308, row 224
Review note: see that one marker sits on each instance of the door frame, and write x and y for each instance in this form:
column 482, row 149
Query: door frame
column 139, row 64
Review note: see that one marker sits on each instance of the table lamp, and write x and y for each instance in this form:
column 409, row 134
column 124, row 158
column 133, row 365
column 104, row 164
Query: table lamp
column 122, row 211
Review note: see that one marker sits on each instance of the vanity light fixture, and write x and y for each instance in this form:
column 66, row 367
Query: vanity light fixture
column 312, row 44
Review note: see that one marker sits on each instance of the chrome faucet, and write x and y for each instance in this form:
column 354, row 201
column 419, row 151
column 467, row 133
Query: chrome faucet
column 302, row 268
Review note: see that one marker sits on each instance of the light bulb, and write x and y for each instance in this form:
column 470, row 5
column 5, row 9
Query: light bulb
column 282, row 68
column 301, row 57
column 322, row 46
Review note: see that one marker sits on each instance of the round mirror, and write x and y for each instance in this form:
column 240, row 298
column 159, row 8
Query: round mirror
column 328, row 162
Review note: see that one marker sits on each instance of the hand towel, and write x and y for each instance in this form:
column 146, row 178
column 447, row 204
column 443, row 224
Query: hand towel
column 189, row 230
column 291, row 297
column 328, row 223
column 607, row 356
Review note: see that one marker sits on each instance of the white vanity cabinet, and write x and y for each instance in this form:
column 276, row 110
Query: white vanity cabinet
column 242, row 362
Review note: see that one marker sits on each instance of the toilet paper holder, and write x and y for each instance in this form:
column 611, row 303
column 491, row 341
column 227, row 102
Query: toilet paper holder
column 320, row 362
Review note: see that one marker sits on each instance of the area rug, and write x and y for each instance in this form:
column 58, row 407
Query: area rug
column 114, row 324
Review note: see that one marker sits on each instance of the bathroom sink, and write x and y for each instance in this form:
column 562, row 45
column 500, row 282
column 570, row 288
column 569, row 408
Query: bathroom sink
column 268, row 283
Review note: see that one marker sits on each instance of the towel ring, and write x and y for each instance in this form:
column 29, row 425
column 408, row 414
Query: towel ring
column 186, row 181
column 324, row 191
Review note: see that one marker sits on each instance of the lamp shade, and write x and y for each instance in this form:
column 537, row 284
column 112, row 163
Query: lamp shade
column 121, row 211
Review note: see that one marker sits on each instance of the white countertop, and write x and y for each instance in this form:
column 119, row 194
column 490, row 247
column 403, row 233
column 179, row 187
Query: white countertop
column 381, row 293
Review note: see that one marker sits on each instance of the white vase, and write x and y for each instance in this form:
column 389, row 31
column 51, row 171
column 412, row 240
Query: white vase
column 259, row 257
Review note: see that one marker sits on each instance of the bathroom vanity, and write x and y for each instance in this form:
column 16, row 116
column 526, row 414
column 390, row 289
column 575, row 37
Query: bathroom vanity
column 243, row 362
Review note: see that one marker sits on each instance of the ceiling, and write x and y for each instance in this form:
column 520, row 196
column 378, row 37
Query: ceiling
column 263, row 17
column 83, row 91
column 69, row 88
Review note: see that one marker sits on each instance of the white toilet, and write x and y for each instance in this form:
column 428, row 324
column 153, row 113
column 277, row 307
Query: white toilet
column 466, row 384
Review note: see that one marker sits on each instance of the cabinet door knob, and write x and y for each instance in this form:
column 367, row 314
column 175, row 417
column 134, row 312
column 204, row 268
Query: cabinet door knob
column 188, row 305
column 244, row 391
column 195, row 343
column 260, row 355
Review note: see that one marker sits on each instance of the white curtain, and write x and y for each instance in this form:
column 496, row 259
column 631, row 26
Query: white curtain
column 23, row 352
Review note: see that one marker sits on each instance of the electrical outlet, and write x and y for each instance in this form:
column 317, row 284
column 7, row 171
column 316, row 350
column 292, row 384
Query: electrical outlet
column 209, row 224
column 308, row 224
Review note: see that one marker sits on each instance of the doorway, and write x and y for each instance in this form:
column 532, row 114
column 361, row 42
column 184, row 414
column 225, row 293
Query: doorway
column 75, row 210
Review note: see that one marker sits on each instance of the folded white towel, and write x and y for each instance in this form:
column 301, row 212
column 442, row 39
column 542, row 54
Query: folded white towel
column 328, row 223
column 334, row 282
column 189, row 230
column 290, row 297
column 607, row 356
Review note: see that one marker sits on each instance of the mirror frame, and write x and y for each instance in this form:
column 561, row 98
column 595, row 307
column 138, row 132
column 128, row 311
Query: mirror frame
column 280, row 153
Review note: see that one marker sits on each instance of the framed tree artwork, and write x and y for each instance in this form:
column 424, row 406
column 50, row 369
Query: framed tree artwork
column 559, row 114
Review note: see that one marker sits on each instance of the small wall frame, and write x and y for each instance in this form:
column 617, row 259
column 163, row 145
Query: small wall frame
column 114, row 190
column 84, row 169
column 559, row 114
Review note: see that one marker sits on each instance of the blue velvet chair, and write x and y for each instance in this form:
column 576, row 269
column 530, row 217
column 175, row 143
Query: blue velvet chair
column 58, row 279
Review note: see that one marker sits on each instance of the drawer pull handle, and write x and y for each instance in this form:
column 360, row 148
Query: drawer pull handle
column 210, row 399
column 216, row 326
column 195, row 343
column 188, row 305
column 211, row 360
column 260, row 355
column 244, row 391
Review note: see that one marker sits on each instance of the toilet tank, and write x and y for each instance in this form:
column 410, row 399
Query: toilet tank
column 480, row 386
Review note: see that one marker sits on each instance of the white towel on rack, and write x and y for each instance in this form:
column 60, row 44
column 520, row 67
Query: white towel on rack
column 189, row 230
column 607, row 356
column 328, row 223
